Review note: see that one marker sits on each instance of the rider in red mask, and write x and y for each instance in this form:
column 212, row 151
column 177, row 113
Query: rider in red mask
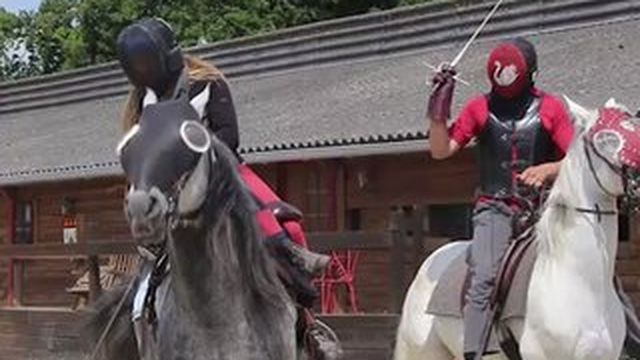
column 522, row 133
column 151, row 58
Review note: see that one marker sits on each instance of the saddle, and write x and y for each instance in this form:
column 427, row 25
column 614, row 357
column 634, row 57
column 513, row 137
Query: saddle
column 509, row 297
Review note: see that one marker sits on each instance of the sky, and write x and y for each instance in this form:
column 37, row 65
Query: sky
column 16, row 5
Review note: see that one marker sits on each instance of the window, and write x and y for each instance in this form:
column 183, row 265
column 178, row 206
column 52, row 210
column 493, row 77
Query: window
column 318, row 198
column 450, row 221
column 354, row 218
column 24, row 223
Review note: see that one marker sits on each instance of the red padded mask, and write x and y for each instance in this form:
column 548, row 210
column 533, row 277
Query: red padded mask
column 508, row 71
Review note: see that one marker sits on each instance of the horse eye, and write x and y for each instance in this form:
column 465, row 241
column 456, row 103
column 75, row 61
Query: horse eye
column 195, row 136
column 127, row 138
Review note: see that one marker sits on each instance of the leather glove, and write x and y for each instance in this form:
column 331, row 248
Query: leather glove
column 439, row 105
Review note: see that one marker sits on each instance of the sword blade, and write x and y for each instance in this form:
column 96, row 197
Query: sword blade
column 476, row 33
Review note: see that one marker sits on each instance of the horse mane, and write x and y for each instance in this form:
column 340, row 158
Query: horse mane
column 260, row 275
column 566, row 188
column 228, row 194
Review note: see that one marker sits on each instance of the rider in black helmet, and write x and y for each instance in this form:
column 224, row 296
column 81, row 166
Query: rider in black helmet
column 151, row 58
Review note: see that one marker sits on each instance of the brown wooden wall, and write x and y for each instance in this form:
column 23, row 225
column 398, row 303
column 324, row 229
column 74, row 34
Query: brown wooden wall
column 330, row 193
column 57, row 334
column 98, row 210
column 628, row 265
column 4, row 264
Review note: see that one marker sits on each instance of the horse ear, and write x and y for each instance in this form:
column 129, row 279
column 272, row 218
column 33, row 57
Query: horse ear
column 199, row 102
column 613, row 104
column 582, row 117
column 126, row 138
column 150, row 98
column 194, row 192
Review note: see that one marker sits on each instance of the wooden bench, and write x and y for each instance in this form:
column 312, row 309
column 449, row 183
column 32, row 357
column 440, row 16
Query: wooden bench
column 118, row 268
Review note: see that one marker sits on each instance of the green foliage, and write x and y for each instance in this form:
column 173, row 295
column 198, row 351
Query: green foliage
column 14, row 59
column 66, row 34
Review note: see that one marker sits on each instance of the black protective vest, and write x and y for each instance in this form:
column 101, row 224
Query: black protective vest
column 509, row 145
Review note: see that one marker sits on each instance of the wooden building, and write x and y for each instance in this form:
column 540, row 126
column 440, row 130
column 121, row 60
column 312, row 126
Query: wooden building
column 331, row 114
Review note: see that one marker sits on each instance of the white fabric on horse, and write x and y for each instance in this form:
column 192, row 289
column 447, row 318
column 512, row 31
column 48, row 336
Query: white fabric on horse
column 447, row 297
column 141, row 294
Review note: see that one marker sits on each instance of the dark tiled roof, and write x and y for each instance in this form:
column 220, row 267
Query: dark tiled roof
column 328, row 89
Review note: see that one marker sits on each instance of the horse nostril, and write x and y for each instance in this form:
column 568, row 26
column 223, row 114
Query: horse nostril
column 153, row 201
column 141, row 229
column 138, row 204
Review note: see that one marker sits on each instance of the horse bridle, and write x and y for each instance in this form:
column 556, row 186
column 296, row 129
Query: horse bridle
column 172, row 220
column 630, row 182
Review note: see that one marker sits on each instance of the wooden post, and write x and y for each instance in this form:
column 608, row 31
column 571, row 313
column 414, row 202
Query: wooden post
column 95, row 287
column 419, row 249
column 11, row 295
column 18, row 280
column 397, row 233
column 10, row 226
column 341, row 196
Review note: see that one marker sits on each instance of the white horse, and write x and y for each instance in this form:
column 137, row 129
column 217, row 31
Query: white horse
column 573, row 311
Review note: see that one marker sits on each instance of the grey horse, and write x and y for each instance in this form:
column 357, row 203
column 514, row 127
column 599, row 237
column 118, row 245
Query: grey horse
column 221, row 297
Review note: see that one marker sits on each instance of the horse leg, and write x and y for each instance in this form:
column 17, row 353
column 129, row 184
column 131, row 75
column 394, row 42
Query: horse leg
column 417, row 337
column 530, row 347
column 431, row 349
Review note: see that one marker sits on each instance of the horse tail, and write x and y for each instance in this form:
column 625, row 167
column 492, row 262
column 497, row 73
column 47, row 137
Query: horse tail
column 119, row 339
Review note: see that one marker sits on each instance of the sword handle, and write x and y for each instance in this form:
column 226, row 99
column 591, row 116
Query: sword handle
column 439, row 68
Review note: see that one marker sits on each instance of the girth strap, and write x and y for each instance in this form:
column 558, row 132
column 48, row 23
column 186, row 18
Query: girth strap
column 596, row 210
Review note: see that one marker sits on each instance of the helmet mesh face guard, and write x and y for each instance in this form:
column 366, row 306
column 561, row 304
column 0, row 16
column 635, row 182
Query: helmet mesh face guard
column 150, row 55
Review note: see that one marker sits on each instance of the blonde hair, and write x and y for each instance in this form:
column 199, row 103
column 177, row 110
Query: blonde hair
column 199, row 70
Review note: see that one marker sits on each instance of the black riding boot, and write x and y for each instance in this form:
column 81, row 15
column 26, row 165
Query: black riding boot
column 297, row 267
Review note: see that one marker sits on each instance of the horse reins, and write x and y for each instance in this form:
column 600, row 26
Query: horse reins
column 112, row 320
column 629, row 182
column 596, row 210
column 620, row 171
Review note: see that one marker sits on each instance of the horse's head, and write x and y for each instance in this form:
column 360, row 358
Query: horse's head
column 611, row 142
column 166, row 158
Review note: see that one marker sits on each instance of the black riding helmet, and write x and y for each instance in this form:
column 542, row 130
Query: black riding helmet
column 530, row 55
column 150, row 55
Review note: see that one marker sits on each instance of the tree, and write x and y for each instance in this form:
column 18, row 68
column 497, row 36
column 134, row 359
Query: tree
column 66, row 34
column 55, row 34
column 16, row 59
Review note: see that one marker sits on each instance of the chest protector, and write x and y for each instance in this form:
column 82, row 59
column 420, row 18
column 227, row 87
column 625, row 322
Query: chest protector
column 507, row 146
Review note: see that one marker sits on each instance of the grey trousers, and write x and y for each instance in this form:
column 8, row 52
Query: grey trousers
column 492, row 232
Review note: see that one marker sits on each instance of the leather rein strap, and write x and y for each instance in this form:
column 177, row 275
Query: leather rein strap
column 596, row 210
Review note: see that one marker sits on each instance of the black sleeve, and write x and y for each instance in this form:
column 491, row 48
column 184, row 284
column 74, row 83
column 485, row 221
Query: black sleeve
column 221, row 114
